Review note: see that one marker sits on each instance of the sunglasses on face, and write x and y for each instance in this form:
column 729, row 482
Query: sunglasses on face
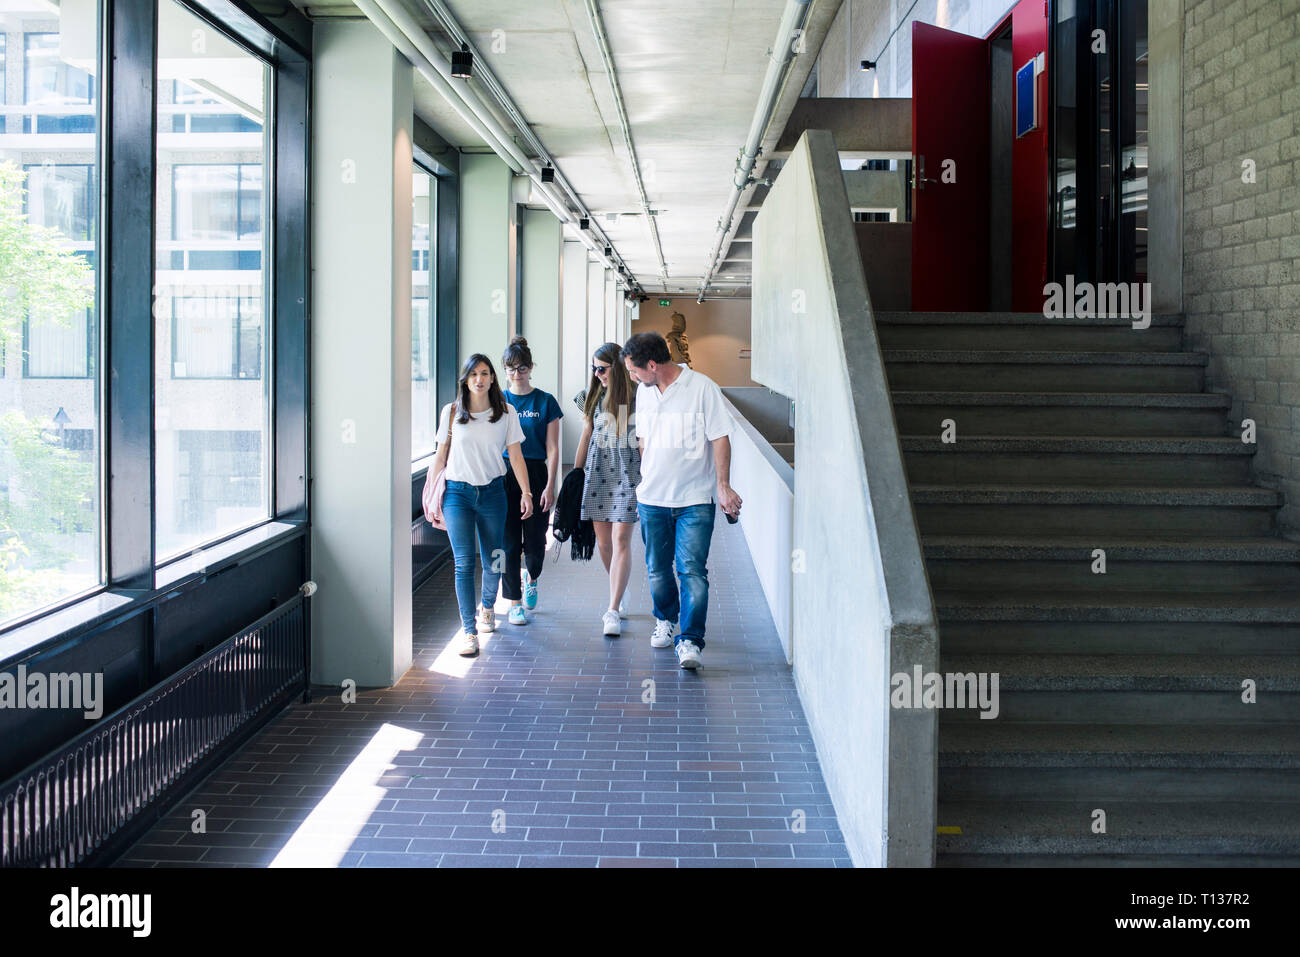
column 597, row 370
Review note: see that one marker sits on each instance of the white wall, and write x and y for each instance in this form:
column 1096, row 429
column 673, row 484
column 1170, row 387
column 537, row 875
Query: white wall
column 854, row 534
column 766, row 484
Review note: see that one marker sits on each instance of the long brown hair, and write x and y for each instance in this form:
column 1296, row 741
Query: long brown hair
column 495, row 398
column 620, row 394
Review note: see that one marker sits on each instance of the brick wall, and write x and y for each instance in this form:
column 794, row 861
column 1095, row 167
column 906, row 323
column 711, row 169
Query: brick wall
column 1241, row 252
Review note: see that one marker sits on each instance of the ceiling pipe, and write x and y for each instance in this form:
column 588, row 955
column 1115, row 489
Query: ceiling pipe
column 602, row 41
column 792, row 20
column 411, row 41
column 484, row 75
column 409, row 48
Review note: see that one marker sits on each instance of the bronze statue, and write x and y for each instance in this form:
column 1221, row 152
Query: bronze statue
column 679, row 348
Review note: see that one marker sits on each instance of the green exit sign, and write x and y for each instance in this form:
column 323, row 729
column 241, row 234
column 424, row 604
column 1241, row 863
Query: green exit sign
column 665, row 302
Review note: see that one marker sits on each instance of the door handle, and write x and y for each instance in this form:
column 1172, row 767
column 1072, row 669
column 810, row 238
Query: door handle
column 919, row 177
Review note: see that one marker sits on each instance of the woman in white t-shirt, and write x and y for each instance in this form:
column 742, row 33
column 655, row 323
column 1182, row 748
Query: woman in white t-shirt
column 486, row 428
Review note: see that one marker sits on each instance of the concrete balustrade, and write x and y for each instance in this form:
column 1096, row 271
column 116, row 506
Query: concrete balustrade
column 860, row 601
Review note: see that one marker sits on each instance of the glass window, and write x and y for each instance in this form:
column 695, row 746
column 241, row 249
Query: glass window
column 187, row 109
column 57, row 349
column 4, row 77
column 50, row 505
column 212, row 202
column 62, row 196
column 423, row 395
column 54, row 80
column 217, row 337
column 212, row 287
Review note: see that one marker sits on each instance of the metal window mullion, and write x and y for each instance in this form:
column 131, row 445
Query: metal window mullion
column 286, row 296
column 127, row 251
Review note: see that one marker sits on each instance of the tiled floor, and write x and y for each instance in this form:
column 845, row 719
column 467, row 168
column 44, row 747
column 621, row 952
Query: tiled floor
column 555, row 747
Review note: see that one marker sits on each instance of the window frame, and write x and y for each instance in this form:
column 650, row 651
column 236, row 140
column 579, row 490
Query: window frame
column 125, row 93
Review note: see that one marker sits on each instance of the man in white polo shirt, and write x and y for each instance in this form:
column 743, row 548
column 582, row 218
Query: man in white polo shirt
column 683, row 429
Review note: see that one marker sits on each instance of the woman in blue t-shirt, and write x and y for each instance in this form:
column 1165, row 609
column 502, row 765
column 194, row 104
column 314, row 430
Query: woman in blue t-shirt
column 539, row 415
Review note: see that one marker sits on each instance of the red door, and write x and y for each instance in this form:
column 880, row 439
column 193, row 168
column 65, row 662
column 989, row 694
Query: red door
column 950, row 153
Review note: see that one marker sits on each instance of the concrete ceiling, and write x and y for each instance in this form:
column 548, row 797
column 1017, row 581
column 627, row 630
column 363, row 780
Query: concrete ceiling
column 690, row 73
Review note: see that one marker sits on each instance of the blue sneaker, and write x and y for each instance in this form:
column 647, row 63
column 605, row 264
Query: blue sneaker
column 530, row 591
column 517, row 615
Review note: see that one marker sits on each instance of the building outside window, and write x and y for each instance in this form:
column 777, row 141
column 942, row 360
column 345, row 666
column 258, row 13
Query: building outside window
column 212, row 282
column 50, row 415
column 53, row 80
column 185, row 108
column 216, row 337
column 423, row 393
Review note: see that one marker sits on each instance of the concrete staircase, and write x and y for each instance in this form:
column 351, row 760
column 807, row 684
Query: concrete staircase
column 1119, row 691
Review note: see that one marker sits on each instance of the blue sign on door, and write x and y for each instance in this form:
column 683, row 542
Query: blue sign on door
column 1026, row 98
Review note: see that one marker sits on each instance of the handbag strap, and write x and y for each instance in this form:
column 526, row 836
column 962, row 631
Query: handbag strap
column 451, row 425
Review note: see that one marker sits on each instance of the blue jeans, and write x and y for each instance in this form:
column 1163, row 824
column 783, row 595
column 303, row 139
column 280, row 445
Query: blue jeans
column 466, row 509
column 679, row 536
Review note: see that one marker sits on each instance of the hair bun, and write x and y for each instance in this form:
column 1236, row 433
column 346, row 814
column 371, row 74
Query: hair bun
column 519, row 341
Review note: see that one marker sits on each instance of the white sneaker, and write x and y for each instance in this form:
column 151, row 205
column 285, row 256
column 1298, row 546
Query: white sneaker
column 622, row 609
column 487, row 620
column 611, row 624
column 467, row 644
column 688, row 655
column 663, row 636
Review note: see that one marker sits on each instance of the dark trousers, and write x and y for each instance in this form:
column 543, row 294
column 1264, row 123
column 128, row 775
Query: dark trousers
column 525, row 541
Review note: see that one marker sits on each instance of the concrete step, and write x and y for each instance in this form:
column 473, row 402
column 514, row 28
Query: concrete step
column 1063, row 413
column 1137, row 689
column 1029, row 319
column 1009, row 605
column 1159, row 512
column 1147, row 861
column 1046, row 371
column 1190, row 563
column 1039, row 335
column 995, row 760
column 1077, row 460
column 1174, row 635
column 1120, row 622
column 998, row 833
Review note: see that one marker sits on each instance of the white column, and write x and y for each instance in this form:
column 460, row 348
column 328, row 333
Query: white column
column 575, row 370
column 361, row 357
column 543, row 240
column 487, row 257
column 595, row 306
column 611, row 307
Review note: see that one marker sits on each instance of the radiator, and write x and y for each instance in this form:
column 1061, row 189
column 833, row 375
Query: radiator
column 66, row 806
